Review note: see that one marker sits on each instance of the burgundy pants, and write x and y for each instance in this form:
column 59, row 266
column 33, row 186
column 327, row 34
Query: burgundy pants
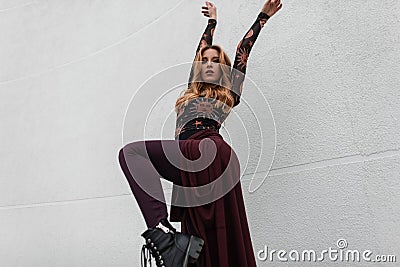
column 146, row 161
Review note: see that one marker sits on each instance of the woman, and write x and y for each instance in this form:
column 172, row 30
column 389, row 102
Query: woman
column 214, row 230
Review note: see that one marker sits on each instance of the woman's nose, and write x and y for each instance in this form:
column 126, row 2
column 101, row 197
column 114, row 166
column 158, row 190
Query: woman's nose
column 209, row 62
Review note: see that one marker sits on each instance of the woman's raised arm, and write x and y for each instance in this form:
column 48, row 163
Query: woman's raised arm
column 210, row 11
column 246, row 44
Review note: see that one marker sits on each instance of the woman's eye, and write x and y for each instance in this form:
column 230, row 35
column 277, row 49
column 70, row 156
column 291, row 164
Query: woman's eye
column 205, row 61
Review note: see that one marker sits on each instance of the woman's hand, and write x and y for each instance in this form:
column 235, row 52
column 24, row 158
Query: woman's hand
column 271, row 7
column 210, row 10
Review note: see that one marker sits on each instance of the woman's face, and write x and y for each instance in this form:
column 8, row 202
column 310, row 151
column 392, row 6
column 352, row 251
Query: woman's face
column 210, row 67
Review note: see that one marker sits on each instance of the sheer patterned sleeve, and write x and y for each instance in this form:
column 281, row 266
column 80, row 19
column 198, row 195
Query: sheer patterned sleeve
column 206, row 39
column 242, row 54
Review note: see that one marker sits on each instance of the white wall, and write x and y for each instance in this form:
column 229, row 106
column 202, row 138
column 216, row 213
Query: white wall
column 69, row 69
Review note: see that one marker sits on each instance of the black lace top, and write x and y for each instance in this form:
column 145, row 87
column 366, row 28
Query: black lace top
column 205, row 113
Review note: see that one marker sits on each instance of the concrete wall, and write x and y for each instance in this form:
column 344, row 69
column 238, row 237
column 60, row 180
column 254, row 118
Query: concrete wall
column 329, row 71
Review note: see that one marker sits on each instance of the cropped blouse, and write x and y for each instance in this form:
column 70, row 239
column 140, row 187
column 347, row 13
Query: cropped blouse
column 209, row 113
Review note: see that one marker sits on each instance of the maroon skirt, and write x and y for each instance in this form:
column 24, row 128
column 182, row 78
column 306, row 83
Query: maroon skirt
column 222, row 222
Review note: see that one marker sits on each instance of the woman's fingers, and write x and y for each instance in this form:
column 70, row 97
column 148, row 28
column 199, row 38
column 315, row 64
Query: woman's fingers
column 209, row 4
column 271, row 7
column 209, row 10
column 278, row 5
column 205, row 13
column 205, row 10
